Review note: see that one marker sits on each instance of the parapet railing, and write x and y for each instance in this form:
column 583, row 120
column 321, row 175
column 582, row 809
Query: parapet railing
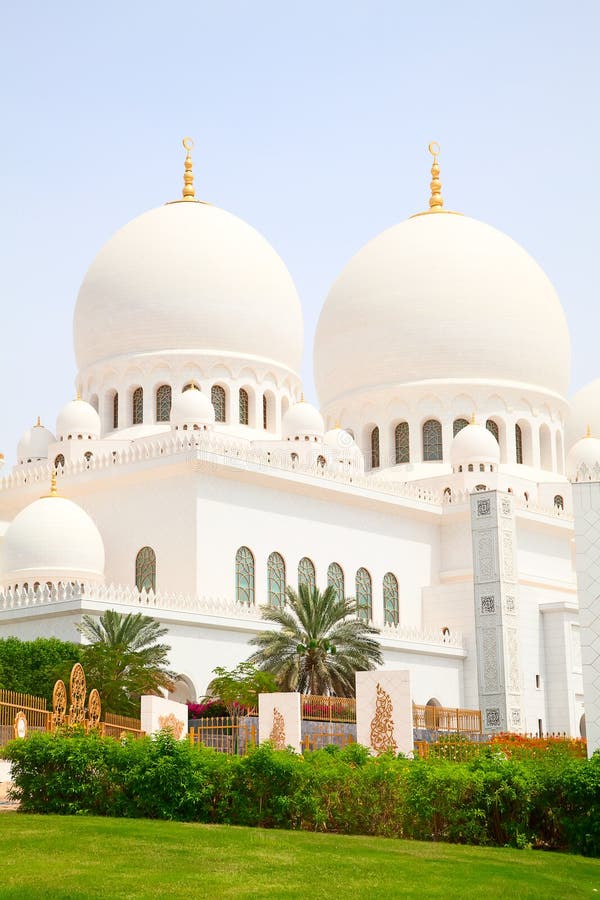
column 444, row 718
column 119, row 595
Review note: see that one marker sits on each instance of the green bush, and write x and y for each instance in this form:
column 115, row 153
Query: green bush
column 489, row 800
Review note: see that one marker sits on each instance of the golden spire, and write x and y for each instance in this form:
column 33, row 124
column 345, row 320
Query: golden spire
column 473, row 422
column 38, row 424
column 188, row 192
column 53, row 490
column 78, row 395
column 436, row 201
column 588, row 432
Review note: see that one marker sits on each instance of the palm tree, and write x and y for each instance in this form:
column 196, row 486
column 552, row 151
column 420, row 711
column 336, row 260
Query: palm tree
column 320, row 644
column 124, row 659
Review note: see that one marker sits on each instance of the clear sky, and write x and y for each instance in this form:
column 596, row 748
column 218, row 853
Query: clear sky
column 311, row 122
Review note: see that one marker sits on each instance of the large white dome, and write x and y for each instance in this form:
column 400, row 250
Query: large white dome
column 188, row 277
column 54, row 540
column 441, row 296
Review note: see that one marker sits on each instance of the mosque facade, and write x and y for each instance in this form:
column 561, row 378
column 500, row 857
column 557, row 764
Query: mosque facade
column 190, row 480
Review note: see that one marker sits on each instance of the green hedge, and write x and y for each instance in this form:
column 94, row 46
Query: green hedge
column 488, row 800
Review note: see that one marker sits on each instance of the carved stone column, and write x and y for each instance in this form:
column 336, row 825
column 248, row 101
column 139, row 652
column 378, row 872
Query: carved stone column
column 495, row 581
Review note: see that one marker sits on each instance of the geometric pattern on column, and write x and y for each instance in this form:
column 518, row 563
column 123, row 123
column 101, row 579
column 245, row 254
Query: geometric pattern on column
column 495, row 583
column 586, row 505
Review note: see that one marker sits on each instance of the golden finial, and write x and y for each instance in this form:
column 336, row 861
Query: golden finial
column 473, row 422
column 436, row 201
column 53, row 490
column 78, row 395
column 38, row 424
column 302, row 400
column 588, row 432
column 188, row 192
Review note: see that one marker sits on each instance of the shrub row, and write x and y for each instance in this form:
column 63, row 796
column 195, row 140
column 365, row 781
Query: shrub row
column 488, row 800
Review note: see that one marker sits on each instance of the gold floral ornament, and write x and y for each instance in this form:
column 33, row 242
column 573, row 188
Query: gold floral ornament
column 94, row 709
column 59, row 704
column 20, row 725
column 173, row 724
column 382, row 724
column 77, row 690
column 277, row 736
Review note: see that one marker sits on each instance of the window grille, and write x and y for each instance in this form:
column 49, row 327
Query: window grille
column 335, row 579
column 375, row 448
column 265, row 403
column 244, row 576
column 116, row 411
column 138, row 406
column 306, row 573
column 59, row 461
column 276, row 580
column 493, row 428
column 163, row 403
column 364, row 595
column 432, row 441
column 145, row 569
column 244, row 407
column 519, row 444
column 391, row 607
column 458, row 425
column 217, row 396
column 401, row 436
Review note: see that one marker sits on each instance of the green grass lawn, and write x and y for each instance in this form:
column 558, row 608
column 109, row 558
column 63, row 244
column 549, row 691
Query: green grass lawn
column 52, row 856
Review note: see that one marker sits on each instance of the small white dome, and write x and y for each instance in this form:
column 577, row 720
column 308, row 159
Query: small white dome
column 34, row 444
column 440, row 297
column 474, row 444
column 188, row 276
column 342, row 447
column 583, row 459
column 192, row 407
column 54, row 540
column 78, row 418
column 302, row 420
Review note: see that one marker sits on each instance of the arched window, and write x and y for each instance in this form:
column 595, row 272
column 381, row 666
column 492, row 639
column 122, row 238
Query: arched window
column 401, row 437
column 432, row 441
column 295, row 458
column 116, row 410
column 481, row 487
column 306, row 573
column 88, row 455
column 391, row 609
column 265, row 412
column 335, row 579
column 519, row 444
column 191, row 385
column 364, row 595
column 493, row 428
column 163, row 403
column 321, row 461
column 244, row 576
column 145, row 570
column 138, row 406
column 276, row 579
column 59, row 461
column 375, row 448
column 244, row 408
column 217, row 396
column 458, row 425
column 559, row 502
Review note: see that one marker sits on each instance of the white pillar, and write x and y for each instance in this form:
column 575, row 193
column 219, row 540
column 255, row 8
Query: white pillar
column 384, row 719
column 279, row 720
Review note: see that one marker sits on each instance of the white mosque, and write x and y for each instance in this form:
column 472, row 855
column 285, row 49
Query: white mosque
column 193, row 481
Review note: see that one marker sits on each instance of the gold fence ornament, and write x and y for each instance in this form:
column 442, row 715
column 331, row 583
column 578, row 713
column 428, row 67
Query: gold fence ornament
column 77, row 690
column 21, row 726
column 59, row 704
column 94, row 709
column 277, row 736
column 382, row 724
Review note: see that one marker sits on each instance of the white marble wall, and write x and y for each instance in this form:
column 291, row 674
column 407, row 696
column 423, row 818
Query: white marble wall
column 159, row 714
column 586, row 503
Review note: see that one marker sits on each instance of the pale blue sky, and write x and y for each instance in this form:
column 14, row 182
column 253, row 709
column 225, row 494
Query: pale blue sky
column 311, row 122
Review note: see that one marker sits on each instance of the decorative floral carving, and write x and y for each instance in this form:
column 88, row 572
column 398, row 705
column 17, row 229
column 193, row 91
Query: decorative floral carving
column 505, row 506
column 507, row 552
column 510, row 605
column 515, row 718
column 490, row 660
column 485, row 547
column 512, row 651
column 277, row 736
column 488, row 605
column 483, row 508
column 173, row 724
column 94, row 709
column 59, row 704
column 77, row 690
column 382, row 723
column 493, row 718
